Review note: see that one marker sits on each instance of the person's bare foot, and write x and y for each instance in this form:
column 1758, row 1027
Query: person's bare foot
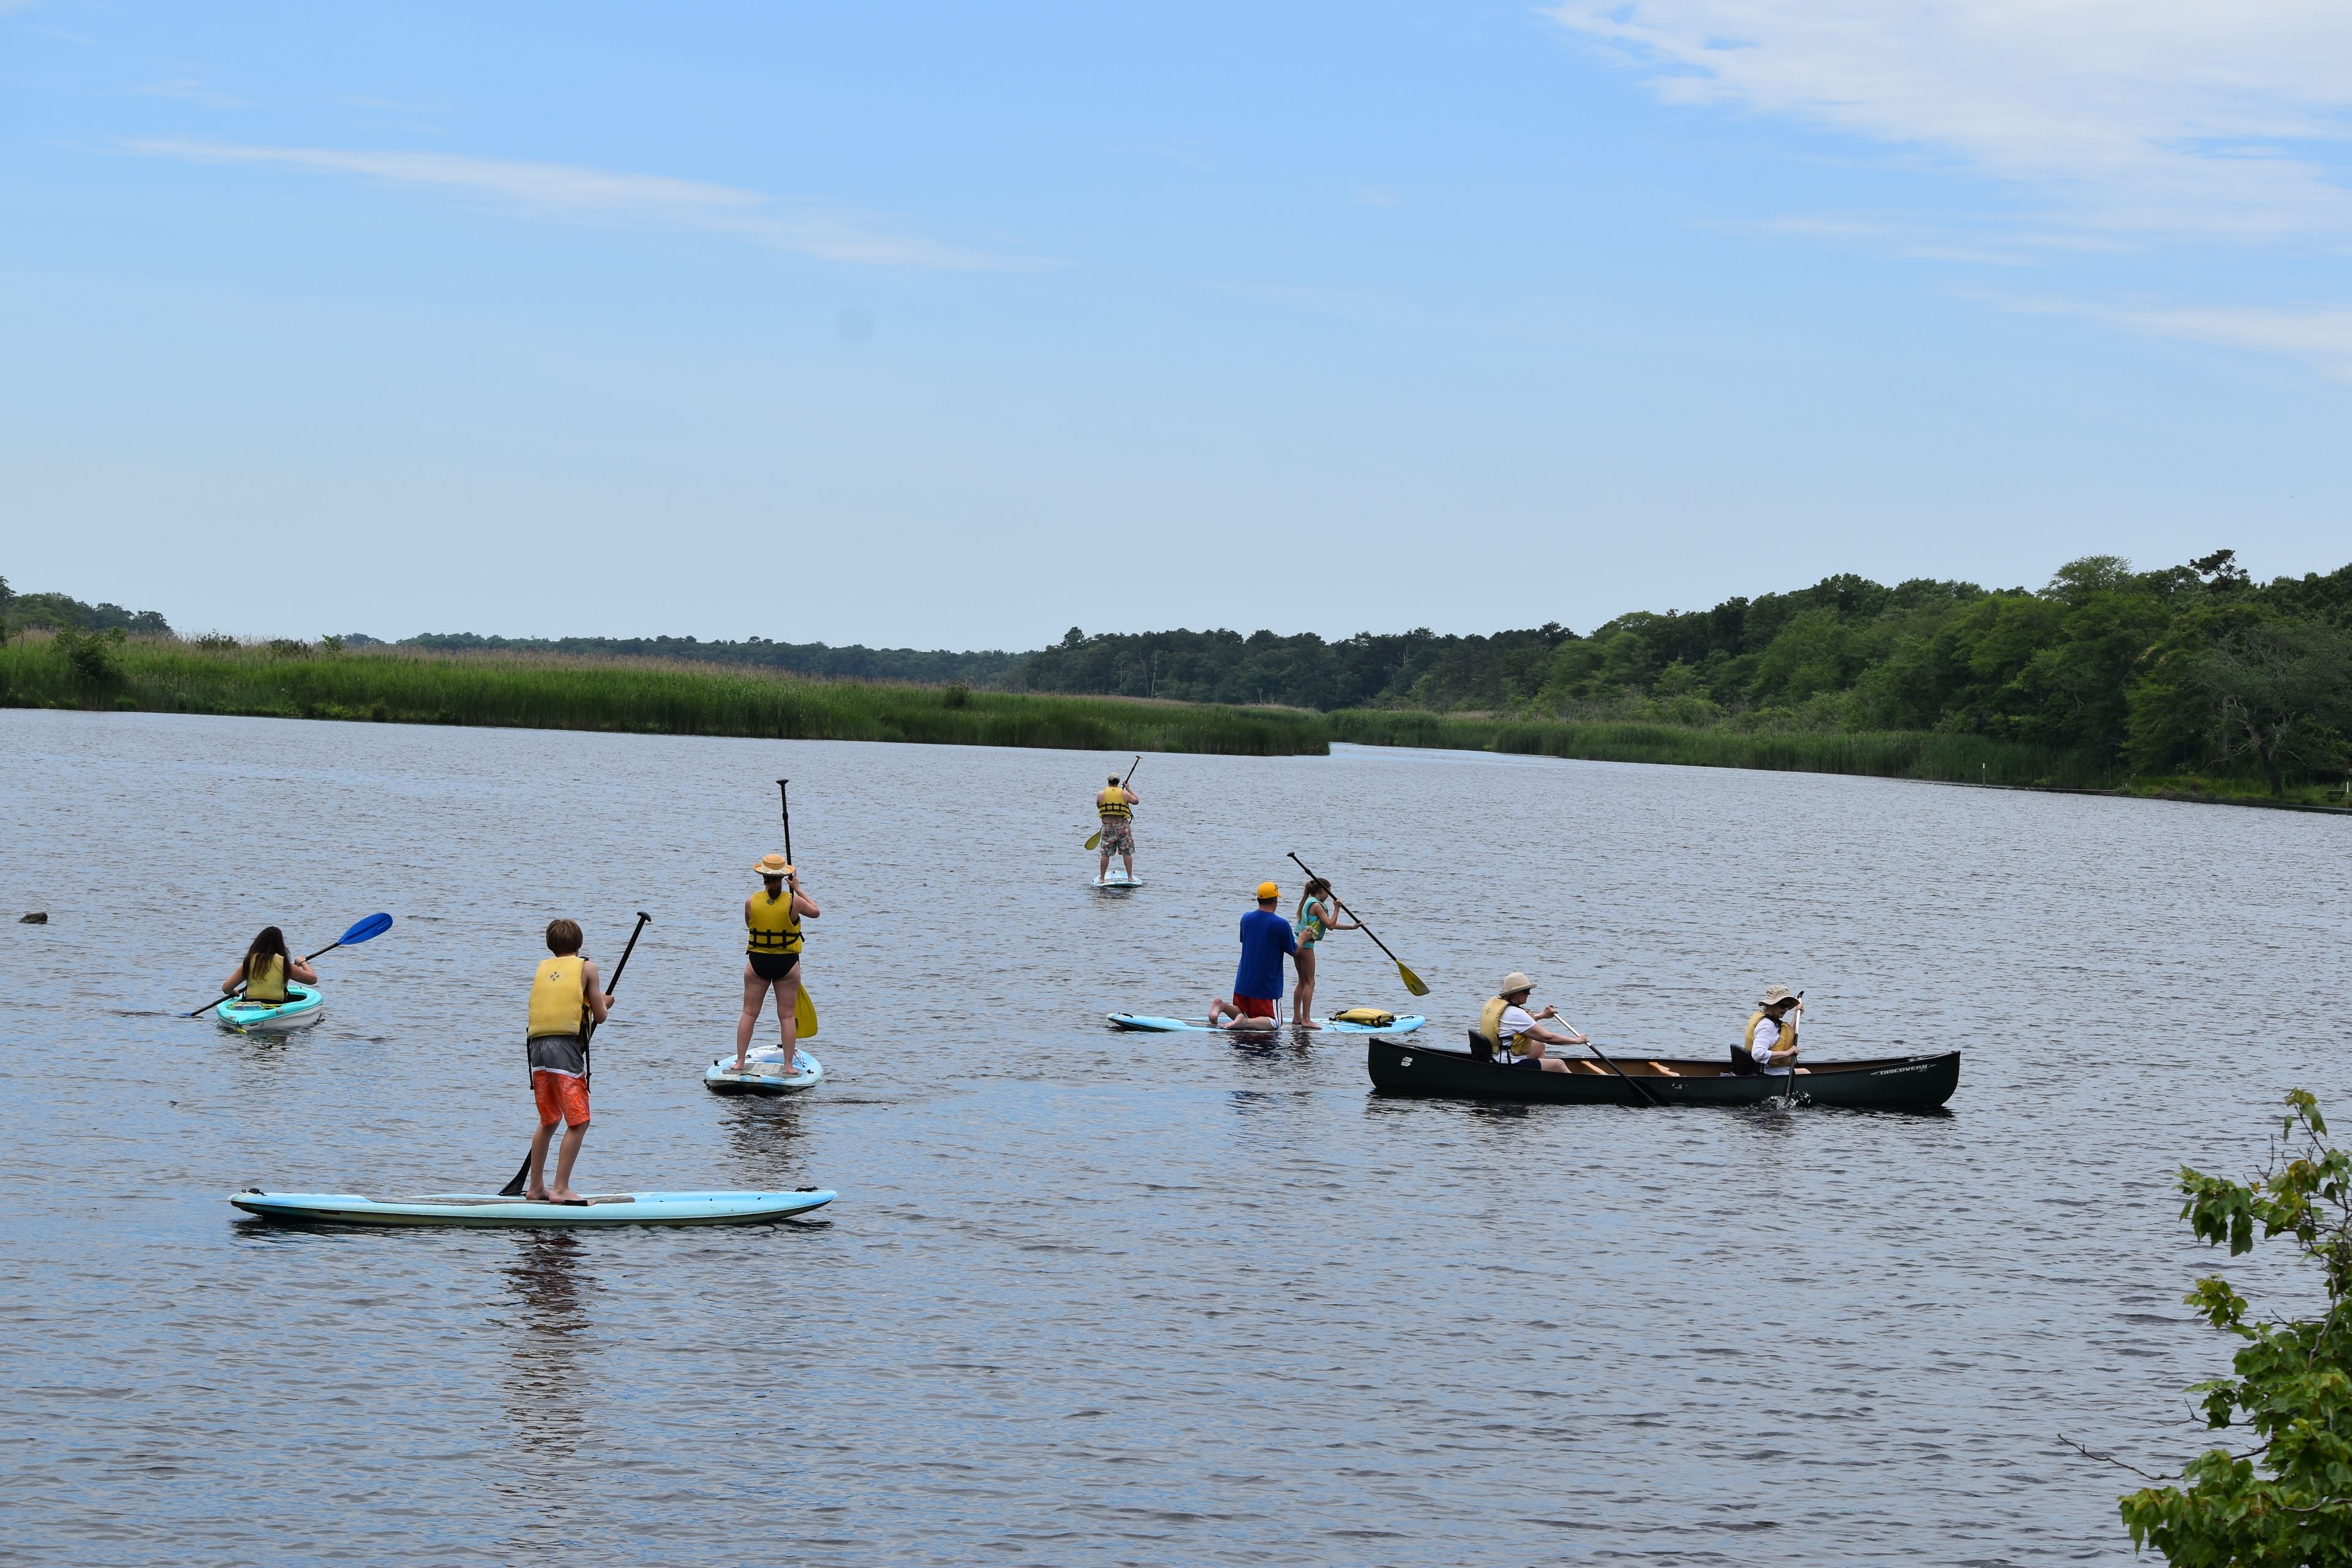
column 538, row 1197
column 1311, row 1024
column 563, row 1195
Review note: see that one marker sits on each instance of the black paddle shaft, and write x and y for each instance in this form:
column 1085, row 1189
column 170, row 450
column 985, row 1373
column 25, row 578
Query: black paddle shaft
column 785, row 787
column 1793, row 1064
column 1342, row 903
column 1639, row 1088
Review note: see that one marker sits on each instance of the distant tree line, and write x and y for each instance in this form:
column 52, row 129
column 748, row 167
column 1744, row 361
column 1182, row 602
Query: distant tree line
column 61, row 613
column 2185, row 668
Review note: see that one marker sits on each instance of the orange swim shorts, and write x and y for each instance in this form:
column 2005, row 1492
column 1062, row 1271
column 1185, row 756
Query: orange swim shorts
column 561, row 1098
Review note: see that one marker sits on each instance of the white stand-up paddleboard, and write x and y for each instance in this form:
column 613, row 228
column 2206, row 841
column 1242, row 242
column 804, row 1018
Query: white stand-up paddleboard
column 489, row 1209
column 1118, row 880
column 1404, row 1025
column 764, row 1072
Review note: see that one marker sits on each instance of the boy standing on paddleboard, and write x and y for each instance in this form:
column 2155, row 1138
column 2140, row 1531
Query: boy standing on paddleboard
column 567, row 1000
column 1267, row 941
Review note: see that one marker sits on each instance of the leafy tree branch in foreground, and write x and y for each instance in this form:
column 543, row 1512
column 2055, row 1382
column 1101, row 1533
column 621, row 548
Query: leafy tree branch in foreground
column 2286, row 1499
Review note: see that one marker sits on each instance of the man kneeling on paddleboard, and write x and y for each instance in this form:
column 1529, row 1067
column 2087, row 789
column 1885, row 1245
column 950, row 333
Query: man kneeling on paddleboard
column 1505, row 1025
column 567, row 1000
column 1267, row 941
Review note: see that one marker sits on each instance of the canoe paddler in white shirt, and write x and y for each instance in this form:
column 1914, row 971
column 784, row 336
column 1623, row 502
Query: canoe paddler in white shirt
column 1772, row 1031
column 1505, row 1024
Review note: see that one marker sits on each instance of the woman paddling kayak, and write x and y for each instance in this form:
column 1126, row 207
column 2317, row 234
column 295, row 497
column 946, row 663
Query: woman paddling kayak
column 1318, row 917
column 265, row 968
column 772, row 918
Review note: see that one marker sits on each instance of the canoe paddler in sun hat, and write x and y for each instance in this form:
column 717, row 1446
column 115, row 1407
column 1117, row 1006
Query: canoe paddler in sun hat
column 1772, row 1042
column 1505, row 1026
column 1116, row 804
column 1267, row 941
column 772, row 920
column 567, row 996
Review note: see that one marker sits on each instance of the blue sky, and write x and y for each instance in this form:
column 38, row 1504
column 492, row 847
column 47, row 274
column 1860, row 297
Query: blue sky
column 956, row 326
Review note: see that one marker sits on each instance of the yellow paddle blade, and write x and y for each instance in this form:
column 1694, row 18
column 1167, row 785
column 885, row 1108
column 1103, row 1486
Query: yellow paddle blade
column 805, row 1016
column 1411, row 981
column 1095, row 842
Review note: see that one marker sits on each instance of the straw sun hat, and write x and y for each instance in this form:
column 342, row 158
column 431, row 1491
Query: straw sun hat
column 1776, row 994
column 1515, row 982
column 772, row 865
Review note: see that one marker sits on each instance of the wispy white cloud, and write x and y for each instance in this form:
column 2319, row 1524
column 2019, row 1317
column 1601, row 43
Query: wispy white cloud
column 571, row 192
column 188, row 90
column 2148, row 121
column 2319, row 336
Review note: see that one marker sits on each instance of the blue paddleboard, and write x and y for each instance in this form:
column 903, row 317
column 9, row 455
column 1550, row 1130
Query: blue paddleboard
column 488, row 1208
column 1404, row 1025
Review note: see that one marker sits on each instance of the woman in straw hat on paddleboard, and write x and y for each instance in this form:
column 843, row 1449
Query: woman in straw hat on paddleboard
column 772, row 920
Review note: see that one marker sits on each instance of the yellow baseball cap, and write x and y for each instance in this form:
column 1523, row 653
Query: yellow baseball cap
column 1267, row 891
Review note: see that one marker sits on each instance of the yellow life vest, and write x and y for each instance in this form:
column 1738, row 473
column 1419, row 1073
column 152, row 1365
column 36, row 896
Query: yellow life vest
column 265, row 979
column 1112, row 802
column 1490, row 1026
column 775, row 925
column 1787, row 1034
column 558, row 1001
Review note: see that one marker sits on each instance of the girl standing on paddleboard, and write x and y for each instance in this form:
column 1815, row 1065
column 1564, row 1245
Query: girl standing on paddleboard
column 267, row 967
column 1316, row 916
column 773, row 956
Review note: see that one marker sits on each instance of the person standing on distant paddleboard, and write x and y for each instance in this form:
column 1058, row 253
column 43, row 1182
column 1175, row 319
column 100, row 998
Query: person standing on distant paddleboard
column 1116, row 805
column 1267, row 941
column 772, row 918
column 567, row 1000
column 1318, row 915
column 267, row 967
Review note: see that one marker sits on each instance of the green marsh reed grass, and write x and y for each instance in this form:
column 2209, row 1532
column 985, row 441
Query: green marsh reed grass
column 1895, row 753
column 641, row 696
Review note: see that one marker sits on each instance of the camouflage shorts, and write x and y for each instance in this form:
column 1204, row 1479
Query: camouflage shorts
column 1117, row 836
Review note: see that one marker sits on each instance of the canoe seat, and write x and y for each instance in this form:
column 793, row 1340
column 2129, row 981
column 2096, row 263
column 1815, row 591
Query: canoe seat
column 1481, row 1047
column 1743, row 1065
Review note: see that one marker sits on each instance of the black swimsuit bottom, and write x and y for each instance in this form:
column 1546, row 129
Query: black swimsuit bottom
column 773, row 965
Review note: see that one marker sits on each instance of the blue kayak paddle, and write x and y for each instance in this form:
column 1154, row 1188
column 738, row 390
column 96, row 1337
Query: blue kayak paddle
column 361, row 930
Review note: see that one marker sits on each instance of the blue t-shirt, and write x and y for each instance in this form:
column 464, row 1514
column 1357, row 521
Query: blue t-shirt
column 1267, row 941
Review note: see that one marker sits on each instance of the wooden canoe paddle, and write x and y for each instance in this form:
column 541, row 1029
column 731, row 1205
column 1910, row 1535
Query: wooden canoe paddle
column 1413, row 982
column 1095, row 840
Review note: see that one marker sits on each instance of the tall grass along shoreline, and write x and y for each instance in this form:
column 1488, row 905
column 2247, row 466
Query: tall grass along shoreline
column 543, row 692
column 633, row 696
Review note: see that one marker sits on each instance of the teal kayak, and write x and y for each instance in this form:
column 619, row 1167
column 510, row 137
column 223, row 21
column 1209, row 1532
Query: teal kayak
column 490, row 1209
column 303, row 1006
column 763, row 1073
column 1404, row 1025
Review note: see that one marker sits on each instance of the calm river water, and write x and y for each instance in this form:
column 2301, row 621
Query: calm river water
column 1099, row 1299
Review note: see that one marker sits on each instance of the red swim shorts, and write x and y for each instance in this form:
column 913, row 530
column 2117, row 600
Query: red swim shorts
column 561, row 1098
column 1254, row 1006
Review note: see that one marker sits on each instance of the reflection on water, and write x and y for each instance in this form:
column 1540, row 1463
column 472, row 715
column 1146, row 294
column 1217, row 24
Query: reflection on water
column 1091, row 1298
column 551, row 1350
